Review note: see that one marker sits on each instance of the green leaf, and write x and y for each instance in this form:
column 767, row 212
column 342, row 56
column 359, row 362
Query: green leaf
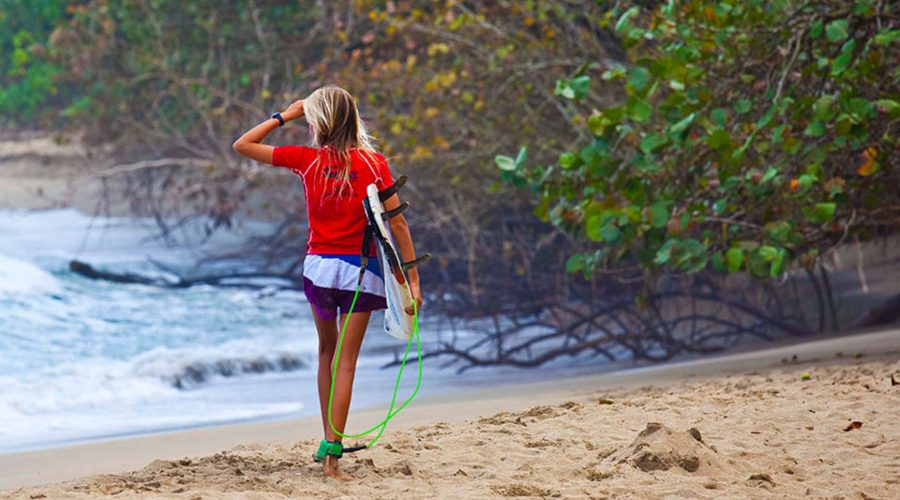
column 693, row 256
column 82, row 104
column 676, row 85
column 836, row 31
column 615, row 114
column 593, row 226
column 719, row 116
column 825, row 211
column 659, row 215
column 665, row 252
column 591, row 155
column 574, row 89
column 616, row 71
column 521, row 157
column 768, row 252
column 823, row 108
column 505, row 163
column 806, row 180
column 889, row 107
column 576, row 263
column 597, row 123
column 652, row 141
column 778, row 263
column 717, row 261
column 644, row 163
column 610, row 232
column 887, row 36
column 734, row 258
column 682, row 125
column 568, row 160
column 564, row 89
column 634, row 191
column 778, row 231
column 624, row 19
column 743, row 106
column 815, row 30
column 765, row 119
column 719, row 139
column 769, row 175
column 758, row 265
column 640, row 77
column 640, row 111
column 720, row 205
column 815, row 129
column 863, row 7
column 778, row 133
column 860, row 107
column 841, row 62
column 580, row 85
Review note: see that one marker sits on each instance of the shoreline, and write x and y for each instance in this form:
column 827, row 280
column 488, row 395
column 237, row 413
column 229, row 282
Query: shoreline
column 620, row 369
column 116, row 455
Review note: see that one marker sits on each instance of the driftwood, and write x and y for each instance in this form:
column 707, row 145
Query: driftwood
column 679, row 316
column 231, row 280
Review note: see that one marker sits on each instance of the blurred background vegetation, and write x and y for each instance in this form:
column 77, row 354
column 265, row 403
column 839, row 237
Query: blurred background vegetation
column 619, row 178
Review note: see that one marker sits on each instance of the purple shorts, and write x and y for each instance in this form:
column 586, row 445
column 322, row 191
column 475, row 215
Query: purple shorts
column 329, row 282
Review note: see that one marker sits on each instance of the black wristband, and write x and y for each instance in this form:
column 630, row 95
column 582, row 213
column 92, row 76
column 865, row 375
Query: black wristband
column 278, row 117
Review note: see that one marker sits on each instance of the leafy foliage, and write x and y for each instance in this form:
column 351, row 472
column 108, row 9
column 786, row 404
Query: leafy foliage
column 749, row 136
column 28, row 77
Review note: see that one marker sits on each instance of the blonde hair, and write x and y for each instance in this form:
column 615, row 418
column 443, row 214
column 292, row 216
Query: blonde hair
column 337, row 128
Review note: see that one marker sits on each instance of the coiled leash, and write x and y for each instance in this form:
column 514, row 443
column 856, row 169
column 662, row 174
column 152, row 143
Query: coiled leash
column 336, row 448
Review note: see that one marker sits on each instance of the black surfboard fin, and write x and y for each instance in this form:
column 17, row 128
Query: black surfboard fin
column 415, row 263
column 392, row 189
column 390, row 214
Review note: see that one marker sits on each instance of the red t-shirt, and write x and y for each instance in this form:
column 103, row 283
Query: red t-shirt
column 335, row 211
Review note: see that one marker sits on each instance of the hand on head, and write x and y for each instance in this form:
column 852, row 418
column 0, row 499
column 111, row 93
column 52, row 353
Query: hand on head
column 294, row 111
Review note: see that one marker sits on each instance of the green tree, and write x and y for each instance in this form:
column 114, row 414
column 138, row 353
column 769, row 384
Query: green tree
column 28, row 77
column 747, row 136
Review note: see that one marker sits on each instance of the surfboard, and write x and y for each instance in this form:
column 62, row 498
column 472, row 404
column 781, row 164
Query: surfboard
column 397, row 322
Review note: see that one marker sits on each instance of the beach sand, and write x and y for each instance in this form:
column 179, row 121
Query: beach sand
column 749, row 425
column 39, row 171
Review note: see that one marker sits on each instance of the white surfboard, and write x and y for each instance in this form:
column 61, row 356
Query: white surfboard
column 397, row 322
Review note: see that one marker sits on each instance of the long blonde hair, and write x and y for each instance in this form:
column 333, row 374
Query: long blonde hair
column 337, row 128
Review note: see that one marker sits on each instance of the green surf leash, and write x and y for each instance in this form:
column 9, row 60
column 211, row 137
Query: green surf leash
column 336, row 448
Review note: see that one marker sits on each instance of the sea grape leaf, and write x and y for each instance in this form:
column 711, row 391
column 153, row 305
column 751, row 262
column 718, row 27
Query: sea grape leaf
column 836, row 31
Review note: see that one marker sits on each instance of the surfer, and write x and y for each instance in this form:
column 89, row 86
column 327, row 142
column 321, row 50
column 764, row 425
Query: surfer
column 336, row 172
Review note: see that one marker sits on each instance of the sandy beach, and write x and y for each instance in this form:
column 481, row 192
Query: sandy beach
column 38, row 172
column 815, row 419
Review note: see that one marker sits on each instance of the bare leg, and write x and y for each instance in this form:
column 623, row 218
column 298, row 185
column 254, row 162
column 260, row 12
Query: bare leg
column 343, row 385
column 328, row 334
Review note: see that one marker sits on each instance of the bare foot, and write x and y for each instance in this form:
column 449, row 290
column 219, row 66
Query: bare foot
column 332, row 470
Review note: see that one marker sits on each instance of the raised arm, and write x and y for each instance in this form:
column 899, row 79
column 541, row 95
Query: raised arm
column 250, row 144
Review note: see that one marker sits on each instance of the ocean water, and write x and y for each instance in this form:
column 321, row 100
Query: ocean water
column 82, row 359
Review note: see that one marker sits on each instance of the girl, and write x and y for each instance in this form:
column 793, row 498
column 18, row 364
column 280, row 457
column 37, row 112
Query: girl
column 335, row 173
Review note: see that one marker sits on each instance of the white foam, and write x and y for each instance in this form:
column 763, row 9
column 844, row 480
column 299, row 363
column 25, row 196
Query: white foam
column 18, row 276
column 185, row 366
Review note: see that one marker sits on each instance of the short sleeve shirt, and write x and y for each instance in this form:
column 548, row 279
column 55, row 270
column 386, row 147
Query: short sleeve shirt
column 334, row 206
